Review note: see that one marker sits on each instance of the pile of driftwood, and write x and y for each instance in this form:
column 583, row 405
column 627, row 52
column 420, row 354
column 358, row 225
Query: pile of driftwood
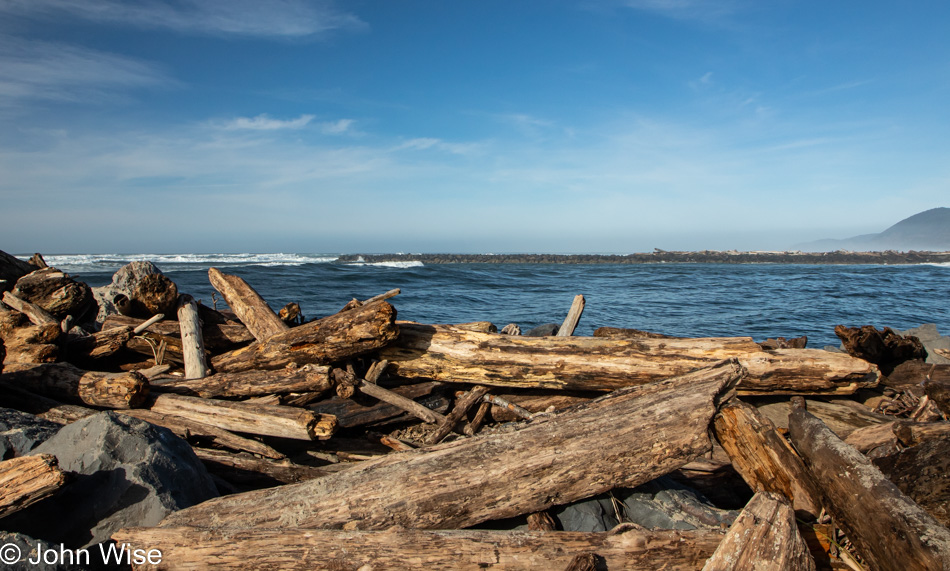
column 356, row 441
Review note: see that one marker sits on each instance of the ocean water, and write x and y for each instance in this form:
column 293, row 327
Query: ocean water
column 695, row 300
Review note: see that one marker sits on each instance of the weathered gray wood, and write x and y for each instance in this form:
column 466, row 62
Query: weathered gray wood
column 764, row 537
column 269, row 420
column 450, row 354
column 402, row 549
column 248, row 305
column 889, row 529
column 573, row 317
column 622, row 439
column 192, row 343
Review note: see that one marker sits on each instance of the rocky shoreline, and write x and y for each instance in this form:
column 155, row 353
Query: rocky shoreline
column 842, row 257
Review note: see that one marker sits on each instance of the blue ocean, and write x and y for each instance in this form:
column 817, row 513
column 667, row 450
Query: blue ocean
column 693, row 300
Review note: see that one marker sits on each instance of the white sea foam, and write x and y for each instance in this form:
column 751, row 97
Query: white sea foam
column 77, row 262
column 406, row 264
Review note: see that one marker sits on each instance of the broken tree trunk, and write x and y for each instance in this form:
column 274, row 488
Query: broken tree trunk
column 889, row 529
column 573, row 317
column 308, row 378
column 65, row 382
column 268, row 420
column 764, row 458
column 334, row 338
column 192, row 344
column 462, row 550
column 100, row 344
column 248, row 305
column 27, row 480
column 447, row 353
column 764, row 537
column 623, row 439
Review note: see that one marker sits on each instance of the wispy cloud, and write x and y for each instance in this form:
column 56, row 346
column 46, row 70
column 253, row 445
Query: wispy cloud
column 427, row 143
column 31, row 70
column 337, row 127
column 705, row 10
column 275, row 18
column 264, row 122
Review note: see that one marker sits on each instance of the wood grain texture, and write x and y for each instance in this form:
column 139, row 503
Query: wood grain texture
column 27, row 480
column 248, row 305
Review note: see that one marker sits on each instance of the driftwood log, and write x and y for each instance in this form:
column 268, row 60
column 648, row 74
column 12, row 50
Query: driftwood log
column 217, row 336
column 764, row 537
column 623, row 439
column 62, row 381
column 308, row 378
column 334, row 338
column 188, row 429
column 248, row 305
column 764, row 458
column 269, row 420
column 27, row 480
column 56, row 293
column 884, row 439
column 447, row 353
column 243, row 469
column 36, row 314
column 573, row 317
column 100, row 344
column 192, row 342
column 889, row 529
column 404, row 549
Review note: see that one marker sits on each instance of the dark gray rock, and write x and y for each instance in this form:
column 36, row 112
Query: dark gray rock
column 546, row 330
column 595, row 514
column 21, row 432
column 128, row 473
column 931, row 339
column 24, row 546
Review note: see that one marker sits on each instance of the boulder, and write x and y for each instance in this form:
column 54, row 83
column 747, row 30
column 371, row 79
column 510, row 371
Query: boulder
column 21, row 432
column 931, row 339
column 128, row 473
column 27, row 547
column 546, row 330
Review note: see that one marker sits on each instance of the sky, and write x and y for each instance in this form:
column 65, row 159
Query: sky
column 555, row 126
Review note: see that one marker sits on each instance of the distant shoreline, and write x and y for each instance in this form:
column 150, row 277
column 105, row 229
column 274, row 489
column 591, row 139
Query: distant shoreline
column 662, row 256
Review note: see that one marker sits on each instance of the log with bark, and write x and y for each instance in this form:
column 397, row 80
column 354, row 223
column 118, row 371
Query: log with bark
column 622, row 439
column 764, row 458
column 268, row 420
column 248, row 305
column 764, row 537
column 886, row 349
column 153, row 293
column 462, row 550
column 889, row 529
column 27, row 480
column 13, row 268
column 447, row 353
column 43, row 407
column 334, row 338
column 65, row 382
column 308, row 378
column 32, row 343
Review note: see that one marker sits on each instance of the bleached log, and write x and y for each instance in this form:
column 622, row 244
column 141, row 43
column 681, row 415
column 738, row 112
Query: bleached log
column 269, row 420
column 27, row 480
column 764, row 537
column 449, row 354
column 889, row 529
column 248, row 305
column 192, row 343
column 625, row 438
column 404, row 549
column 573, row 317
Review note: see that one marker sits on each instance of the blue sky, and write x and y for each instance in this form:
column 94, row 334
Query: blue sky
column 609, row 126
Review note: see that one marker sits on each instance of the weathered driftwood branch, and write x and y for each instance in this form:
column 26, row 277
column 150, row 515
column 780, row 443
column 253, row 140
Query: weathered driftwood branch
column 187, row 428
column 462, row 550
column 447, row 353
column 36, row 314
column 248, row 305
column 763, row 537
column 573, row 317
column 65, row 382
column 334, row 338
column 100, row 344
column 622, row 439
column 269, row 420
column 350, row 413
column 192, row 343
column 308, row 378
column 763, row 457
column 244, row 468
column 406, row 404
column 889, row 529
column 27, row 480
column 462, row 405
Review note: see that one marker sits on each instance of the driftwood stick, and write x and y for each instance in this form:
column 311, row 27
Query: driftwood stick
column 462, row 550
column 148, row 323
column 763, row 457
column 498, row 401
column 389, row 294
column 192, row 343
column 573, row 317
column 889, row 529
column 268, row 420
column 764, row 536
column 625, row 438
column 480, row 415
column 36, row 314
column 248, row 305
column 247, row 467
column 27, row 480
column 462, row 405
column 412, row 407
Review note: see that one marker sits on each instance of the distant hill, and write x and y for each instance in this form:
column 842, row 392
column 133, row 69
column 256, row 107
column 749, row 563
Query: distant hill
column 928, row 230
